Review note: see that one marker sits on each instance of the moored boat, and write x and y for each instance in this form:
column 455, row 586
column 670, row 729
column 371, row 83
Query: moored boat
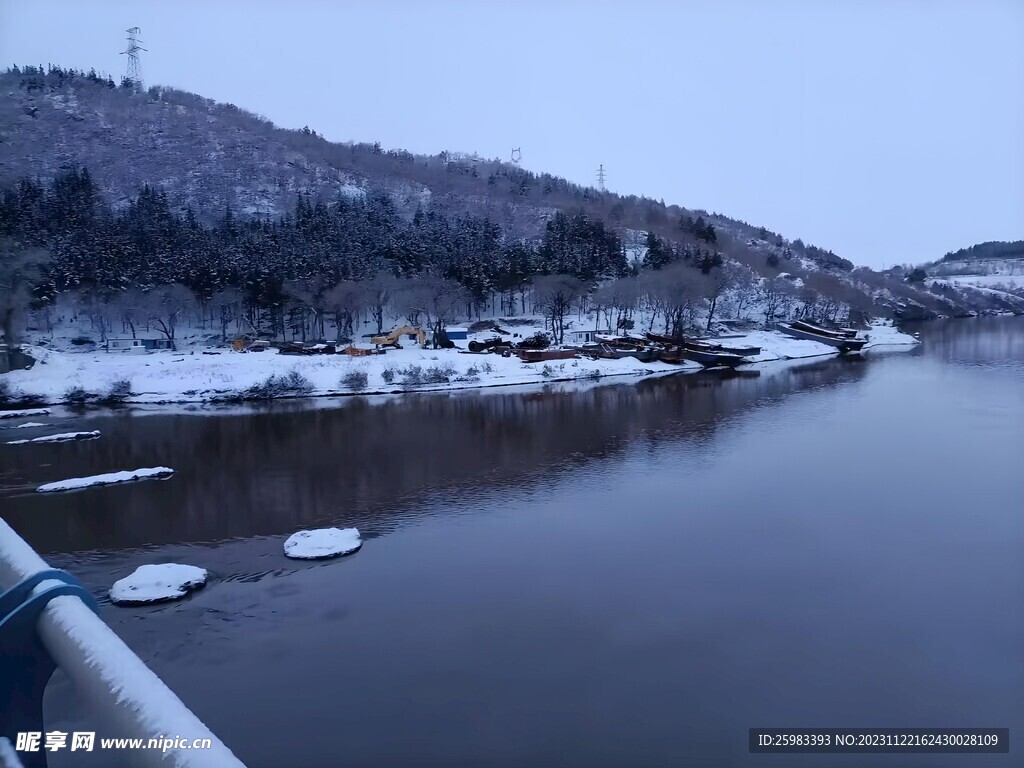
column 609, row 352
column 841, row 333
column 703, row 345
column 671, row 355
column 712, row 359
column 842, row 343
column 706, row 347
column 540, row 355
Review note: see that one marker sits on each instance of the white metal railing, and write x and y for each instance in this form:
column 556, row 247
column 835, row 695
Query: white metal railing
column 121, row 690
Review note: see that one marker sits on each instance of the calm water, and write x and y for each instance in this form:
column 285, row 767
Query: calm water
column 624, row 574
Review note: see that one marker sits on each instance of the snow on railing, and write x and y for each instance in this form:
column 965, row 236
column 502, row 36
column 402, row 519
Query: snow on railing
column 124, row 694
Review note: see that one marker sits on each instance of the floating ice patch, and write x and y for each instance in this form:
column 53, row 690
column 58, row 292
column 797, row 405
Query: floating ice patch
column 155, row 583
column 25, row 412
column 28, row 424
column 62, row 437
column 106, row 479
column 323, row 542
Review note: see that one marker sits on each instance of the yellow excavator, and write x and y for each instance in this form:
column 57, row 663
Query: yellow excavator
column 392, row 339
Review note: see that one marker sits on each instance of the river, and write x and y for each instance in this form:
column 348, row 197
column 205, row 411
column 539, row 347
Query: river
column 602, row 574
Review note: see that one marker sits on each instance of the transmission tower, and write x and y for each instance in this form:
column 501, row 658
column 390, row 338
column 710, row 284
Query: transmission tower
column 517, row 155
column 600, row 177
column 134, row 65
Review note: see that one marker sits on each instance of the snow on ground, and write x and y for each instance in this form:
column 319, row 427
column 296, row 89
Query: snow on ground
column 1008, row 282
column 24, row 412
column 193, row 376
column 62, row 437
column 322, row 542
column 28, row 425
column 109, row 478
column 155, row 583
column 883, row 333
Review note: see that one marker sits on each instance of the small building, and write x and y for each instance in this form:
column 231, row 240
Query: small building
column 125, row 345
column 583, row 337
column 138, row 346
column 457, row 334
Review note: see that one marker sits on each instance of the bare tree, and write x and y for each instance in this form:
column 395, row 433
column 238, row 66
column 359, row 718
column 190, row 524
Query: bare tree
column 743, row 290
column 776, row 293
column 715, row 283
column 437, row 299
column 619, row 298
column 20, row 270
column 226, row 306
column 555, row 295
column 166, row 305
column 346, row 300
column 380, row 290
column 679, row 290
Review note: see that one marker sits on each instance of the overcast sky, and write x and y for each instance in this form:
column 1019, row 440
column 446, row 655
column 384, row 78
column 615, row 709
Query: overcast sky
column 887, row 130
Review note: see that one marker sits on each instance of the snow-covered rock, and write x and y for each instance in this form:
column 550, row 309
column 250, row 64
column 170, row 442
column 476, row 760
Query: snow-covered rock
column 322, row 543
column 108, row 478
column 155, row 583
column 24, row 412
column 60, row 438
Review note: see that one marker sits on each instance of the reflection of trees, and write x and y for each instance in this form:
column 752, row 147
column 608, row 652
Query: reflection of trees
column 274, row 471
column 981, row 341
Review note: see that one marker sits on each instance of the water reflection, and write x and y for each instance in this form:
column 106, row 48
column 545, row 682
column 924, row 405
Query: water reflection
column 363, row 463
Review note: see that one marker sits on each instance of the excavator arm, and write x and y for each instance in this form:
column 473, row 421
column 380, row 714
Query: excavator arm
column 391, row 339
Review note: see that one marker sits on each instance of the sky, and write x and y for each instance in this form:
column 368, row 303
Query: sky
column 889, row 131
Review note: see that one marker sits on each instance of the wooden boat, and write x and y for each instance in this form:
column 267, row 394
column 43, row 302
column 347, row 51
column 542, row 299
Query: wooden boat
column 540, row 355
column 667, row 340
column 609, row 352
column 712, row 359
column 842, row 343
column 842, row 333
column 703, row 346
column 672, row 355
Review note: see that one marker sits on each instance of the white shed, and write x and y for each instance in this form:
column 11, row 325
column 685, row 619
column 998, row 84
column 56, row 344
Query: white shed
column 583, row 337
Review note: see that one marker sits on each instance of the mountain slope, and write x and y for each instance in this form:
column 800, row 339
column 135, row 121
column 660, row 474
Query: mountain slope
column 209, row 157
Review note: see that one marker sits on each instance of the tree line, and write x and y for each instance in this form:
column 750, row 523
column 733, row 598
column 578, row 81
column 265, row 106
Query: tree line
column 341, row 269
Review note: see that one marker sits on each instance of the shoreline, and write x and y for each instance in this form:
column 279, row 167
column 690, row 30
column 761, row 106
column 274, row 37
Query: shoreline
column 219, row 376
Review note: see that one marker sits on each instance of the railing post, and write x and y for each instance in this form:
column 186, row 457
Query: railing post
column 125, row 694
column 25, row 664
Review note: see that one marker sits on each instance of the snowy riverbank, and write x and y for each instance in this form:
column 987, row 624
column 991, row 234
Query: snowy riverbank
column 204, row 375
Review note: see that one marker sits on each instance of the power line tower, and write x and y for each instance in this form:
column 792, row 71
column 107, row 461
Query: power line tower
column 134, row 65
column 600, row 178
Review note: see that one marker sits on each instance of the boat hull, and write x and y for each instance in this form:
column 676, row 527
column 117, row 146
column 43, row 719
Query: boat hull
column 843, row 344
column 712, row 359
column 540, row 355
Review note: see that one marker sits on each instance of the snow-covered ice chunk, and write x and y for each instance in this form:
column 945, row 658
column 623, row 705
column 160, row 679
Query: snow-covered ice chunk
column 154, row 583
column 106, row 479
column 62, row 437
column 28, row 424
column 322, row 542
column 24, row 412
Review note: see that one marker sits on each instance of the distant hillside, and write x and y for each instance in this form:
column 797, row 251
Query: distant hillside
column 994, row 266
column 992, row 250
column 171, row 176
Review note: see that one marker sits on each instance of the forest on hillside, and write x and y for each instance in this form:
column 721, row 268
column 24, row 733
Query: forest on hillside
column 284, row 234
column 323, row 266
